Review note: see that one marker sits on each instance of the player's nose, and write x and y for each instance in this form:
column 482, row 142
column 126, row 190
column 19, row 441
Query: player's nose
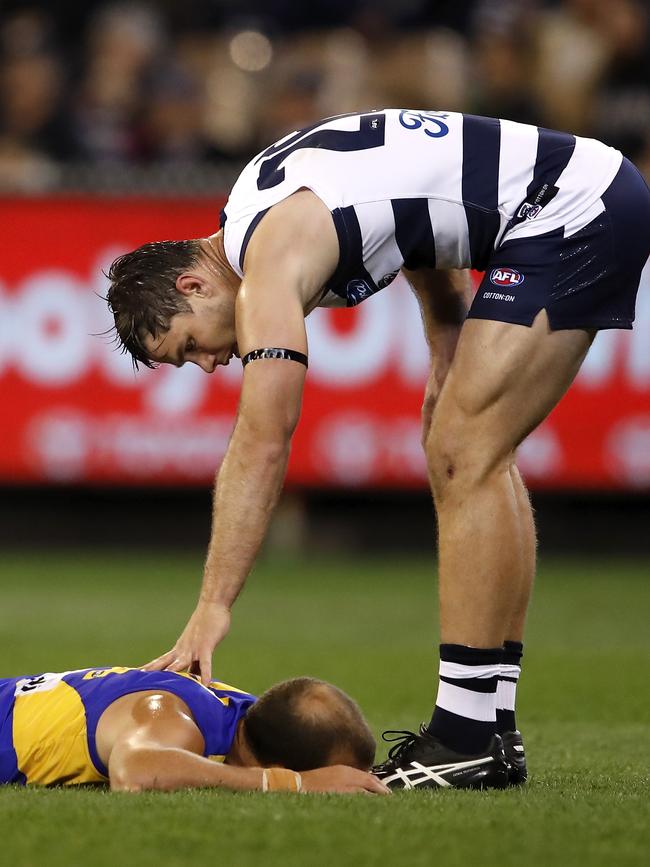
column 207, row 362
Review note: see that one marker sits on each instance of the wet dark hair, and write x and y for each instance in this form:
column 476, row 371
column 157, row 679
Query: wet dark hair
column 301, row 723
column 143, row 296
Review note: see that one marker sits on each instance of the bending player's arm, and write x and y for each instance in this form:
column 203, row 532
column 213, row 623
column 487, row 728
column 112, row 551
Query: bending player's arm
column 444, row 298
column 156, row 744
column 291, row 255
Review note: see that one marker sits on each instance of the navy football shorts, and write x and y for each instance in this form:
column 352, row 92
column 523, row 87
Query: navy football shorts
column 588, row 280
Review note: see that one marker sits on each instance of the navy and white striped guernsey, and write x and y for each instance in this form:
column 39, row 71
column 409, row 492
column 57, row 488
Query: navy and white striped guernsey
column 422, row 188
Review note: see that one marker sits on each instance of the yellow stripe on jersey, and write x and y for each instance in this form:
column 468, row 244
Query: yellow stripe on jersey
column 49, row 736
column 215, row 684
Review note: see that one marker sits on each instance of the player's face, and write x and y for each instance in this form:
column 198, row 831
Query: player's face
column 206, row 336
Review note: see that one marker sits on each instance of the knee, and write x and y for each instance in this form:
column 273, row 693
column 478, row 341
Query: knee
column 449, row 463
column 460, row 460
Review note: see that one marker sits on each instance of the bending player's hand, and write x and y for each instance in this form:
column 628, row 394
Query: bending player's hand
column 207, row 626
column 342, row 779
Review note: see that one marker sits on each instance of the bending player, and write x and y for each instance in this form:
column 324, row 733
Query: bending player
column 160, row 730
column 328, row 216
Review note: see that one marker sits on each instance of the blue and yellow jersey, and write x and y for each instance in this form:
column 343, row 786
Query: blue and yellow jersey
column 48, row 721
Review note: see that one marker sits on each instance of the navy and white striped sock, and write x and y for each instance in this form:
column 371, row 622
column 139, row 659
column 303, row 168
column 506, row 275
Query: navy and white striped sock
column 507, row 686
column 464, row 718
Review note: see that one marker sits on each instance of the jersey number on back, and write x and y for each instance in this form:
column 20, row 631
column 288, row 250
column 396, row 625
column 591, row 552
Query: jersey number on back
column 371, row 133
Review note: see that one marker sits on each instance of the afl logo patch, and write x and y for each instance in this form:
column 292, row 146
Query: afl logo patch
column 506, row 277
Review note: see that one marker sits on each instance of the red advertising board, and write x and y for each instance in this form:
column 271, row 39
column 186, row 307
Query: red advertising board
column 74, row 411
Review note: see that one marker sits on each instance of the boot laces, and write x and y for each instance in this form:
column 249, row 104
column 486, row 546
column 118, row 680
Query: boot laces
column 402, row 741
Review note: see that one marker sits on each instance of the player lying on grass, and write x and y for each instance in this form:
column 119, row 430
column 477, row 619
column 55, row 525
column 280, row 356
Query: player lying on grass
column 160, row 730
column 327, row 216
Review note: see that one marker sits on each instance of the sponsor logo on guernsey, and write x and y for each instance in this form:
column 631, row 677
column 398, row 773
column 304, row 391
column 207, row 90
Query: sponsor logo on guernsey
column 528, row 211
column 537, row 200
column 507, row 277
column 357, row 291
column 387, row 279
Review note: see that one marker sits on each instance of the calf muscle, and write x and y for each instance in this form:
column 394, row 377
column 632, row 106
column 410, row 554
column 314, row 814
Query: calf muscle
column 503, row 381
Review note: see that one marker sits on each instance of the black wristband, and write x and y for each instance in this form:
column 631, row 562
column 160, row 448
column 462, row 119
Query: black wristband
column 275, row 352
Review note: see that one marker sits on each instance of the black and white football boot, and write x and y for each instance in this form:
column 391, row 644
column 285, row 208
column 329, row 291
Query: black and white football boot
column 420, row 761
column 513, row 746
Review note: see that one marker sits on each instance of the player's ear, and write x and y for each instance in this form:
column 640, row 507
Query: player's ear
column 190, row 284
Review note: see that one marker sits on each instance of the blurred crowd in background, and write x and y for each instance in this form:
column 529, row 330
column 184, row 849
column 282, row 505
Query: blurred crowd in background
column 109, row 87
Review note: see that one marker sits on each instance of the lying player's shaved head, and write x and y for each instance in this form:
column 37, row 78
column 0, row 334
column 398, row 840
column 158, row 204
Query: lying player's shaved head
column 306, row 723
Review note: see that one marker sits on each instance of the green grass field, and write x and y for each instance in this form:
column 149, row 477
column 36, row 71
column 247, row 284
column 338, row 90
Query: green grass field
column 584, row 708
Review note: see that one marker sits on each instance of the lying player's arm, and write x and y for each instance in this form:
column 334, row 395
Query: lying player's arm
column 159, row 746
column 444, row 298
column 291, row 255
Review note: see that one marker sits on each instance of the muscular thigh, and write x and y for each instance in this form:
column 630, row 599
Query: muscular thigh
column 504, row 380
